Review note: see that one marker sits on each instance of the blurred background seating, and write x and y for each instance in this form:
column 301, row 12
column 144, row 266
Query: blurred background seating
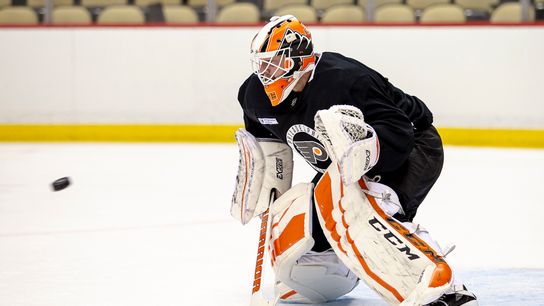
column 510, row 12
column 18, row 15
column 423, row 4
column 343, row 13
column 322, row 5
column 239, row 13
column 71, row 15
column 258, row 11
column 121, row 14
column 179, row 14
column 305, row 13
column 270, row 6
column 443, row 13
column 394, row 13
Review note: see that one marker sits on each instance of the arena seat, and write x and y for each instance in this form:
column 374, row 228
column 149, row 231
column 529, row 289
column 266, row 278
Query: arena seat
column 201, row 3
column 445, row 13
column 18, row 15
column 394, row 13
column 102, row 3
column 243, row 12
column 325, row 4
column 378, row 3
column 480, row 5
column 304, row 13
column 41, row 3
column 179, row 14
column 144, row 3
column 273, row 5
column 71, row 15
column 121, row 14
column 510, row 12
column 343, row 13
column 422, row 4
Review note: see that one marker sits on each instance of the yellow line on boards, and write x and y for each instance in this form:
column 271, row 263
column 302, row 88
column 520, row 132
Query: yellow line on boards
column 493, row 137
column 119, row 133
column 225, row 133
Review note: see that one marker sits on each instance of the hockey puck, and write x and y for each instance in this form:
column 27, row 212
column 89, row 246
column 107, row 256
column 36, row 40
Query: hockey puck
column 61, row 183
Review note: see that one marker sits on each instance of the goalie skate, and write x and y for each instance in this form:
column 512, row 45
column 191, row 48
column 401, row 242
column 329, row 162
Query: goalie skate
column 459, row 297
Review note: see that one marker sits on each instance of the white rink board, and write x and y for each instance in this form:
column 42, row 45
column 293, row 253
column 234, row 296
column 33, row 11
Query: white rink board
column 487, row 77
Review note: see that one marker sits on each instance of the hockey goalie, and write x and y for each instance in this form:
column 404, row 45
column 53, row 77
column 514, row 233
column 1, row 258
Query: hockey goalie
column 376, row 154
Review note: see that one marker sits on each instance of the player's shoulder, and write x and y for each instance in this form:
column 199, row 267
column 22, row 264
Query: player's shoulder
column 333, row 66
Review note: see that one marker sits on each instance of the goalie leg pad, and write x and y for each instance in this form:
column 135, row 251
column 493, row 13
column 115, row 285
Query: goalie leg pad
column 389, row 256
column 302, row 275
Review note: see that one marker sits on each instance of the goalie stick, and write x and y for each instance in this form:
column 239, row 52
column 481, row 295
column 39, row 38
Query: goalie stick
column 257, row 298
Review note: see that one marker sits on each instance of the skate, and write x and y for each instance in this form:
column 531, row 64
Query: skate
column 460, row 297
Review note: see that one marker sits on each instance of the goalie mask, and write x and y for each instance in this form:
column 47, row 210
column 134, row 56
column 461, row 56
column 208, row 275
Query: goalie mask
column 281, row 53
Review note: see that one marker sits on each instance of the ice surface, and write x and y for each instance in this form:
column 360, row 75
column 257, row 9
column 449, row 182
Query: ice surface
column 149, row 225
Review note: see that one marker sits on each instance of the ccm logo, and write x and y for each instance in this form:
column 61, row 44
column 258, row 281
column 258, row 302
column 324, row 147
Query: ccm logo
column 394, row 240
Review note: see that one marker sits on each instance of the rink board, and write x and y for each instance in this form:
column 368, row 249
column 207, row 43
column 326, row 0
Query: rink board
column 225, row 133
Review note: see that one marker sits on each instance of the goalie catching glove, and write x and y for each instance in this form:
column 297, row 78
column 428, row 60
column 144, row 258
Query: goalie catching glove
column 265, row 165
column 350, row 142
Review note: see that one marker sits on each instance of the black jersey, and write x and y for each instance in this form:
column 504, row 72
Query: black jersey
column 337, row 80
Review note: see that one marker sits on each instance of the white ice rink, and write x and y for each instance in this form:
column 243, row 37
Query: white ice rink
column 149, row 224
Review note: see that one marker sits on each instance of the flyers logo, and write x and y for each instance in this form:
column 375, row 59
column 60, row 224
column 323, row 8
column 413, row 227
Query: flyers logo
column 312, row 151
column 304, row 141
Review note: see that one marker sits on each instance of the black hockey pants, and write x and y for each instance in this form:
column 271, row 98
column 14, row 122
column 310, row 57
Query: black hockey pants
column 412, row 181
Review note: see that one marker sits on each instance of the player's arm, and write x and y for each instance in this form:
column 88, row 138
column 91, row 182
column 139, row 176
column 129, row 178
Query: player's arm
column 413, row 107
column 393, row 128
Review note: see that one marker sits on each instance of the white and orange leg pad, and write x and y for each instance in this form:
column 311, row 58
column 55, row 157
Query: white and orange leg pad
column 302, row 275
column 389, row 256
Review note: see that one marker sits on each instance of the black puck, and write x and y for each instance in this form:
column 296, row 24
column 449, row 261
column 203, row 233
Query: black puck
column 61, row 183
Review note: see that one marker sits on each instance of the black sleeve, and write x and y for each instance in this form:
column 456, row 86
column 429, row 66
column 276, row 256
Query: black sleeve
column 393, row 127
column 415, row 109
column 256, row 128
column 252, row 125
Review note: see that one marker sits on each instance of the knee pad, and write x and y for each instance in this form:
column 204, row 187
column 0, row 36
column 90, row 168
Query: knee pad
column 302, row 275
column 318, row 277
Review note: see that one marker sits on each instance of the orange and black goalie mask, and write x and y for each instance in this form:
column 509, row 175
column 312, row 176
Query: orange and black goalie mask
column 281, row 53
